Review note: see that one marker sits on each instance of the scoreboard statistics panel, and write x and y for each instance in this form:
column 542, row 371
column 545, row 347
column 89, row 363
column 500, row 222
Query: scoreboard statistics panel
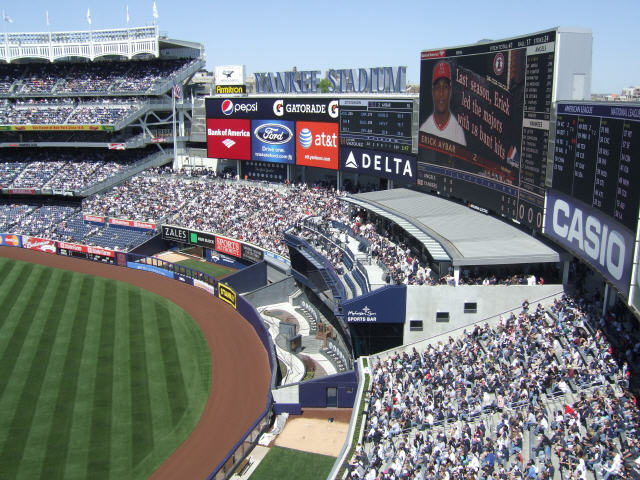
column 376, row 124
column 592, row 160
column 500, row 99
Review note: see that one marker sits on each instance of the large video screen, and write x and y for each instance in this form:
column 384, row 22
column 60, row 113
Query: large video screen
column 376, row 124
column 300, row 130
column 484, row 124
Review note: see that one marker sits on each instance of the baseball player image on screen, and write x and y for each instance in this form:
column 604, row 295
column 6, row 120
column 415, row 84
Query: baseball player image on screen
column 442, row 123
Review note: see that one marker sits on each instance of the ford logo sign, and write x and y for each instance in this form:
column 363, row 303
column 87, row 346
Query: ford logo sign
column 273, row 133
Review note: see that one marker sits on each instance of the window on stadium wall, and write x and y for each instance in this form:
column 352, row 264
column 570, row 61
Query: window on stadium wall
column 371, row 338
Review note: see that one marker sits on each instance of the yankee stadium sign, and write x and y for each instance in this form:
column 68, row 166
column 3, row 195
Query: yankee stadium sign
column 346, row 80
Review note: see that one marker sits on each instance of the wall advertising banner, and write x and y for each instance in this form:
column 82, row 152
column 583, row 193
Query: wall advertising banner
column 317, row 144
column 273, row 141
column 175, row 234
column 252, row 254
column 230, row 247
column 10, row 240
column 227, row 294
column 591, row 235
column 384, row 305
column 229, row 138
column 395, row 166
column 93, row 219
column 40, row 244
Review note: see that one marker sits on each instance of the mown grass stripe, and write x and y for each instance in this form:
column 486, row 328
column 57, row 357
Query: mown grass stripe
column 58, row 441
column 22, row 418
column 176, row 389
column 23, row 284
column 141, row 421
column 99, row 460
column 77, row 460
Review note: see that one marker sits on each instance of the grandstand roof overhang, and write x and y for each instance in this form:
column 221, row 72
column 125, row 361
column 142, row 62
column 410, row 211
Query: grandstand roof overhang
column 93, row 44
column 454, row 232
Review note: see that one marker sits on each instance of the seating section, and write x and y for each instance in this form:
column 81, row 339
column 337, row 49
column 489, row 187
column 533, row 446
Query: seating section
column 534, row 393
column 72, row 169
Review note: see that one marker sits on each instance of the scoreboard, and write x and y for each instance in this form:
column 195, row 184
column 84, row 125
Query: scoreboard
column 493, row 148
column 592, row 158
column 376, row 124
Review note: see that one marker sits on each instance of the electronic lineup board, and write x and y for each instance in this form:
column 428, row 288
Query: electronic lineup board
column 376, row 124
column 485, row 119
column 592, row 158
column 593, row 205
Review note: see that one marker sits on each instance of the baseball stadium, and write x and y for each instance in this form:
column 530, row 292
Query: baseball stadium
column 218, row 276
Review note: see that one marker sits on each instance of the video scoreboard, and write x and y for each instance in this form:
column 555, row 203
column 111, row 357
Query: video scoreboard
column 383, row 125
column 485, row 138
column 592, row 158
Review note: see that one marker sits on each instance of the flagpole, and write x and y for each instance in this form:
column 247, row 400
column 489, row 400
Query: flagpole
column 6, row 40
column 175, row 137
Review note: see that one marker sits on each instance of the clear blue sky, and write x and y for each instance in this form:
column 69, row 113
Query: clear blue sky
column 270, row 36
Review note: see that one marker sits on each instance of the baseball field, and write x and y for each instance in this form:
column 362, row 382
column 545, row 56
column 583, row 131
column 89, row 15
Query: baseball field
column 100, row 378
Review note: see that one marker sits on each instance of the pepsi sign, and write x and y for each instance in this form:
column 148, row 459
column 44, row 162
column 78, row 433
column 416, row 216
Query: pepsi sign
column 394, row 166
column 238, row 108
column 273, row 141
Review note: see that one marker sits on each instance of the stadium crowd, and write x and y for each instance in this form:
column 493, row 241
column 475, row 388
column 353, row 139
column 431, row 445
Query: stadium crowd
column 112, row 77
column 63, row 168
column 251, row 212
column 541, row 392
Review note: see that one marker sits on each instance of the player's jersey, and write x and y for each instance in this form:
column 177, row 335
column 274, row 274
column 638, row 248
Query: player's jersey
column 450, row 131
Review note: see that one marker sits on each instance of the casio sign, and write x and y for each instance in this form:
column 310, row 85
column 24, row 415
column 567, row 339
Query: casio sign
column 605, row 245
column 273, row 133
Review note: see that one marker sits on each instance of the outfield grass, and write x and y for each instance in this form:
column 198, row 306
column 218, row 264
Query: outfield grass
column 288, row 464
column 98, row 379
column 213, row 269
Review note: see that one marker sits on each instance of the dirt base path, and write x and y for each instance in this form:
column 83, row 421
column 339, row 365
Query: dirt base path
column 240, row 365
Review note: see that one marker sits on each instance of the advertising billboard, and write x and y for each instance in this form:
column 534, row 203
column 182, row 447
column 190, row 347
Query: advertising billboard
column 229, row 74
column 266, row 130
column 385, row 305
column 593, row 236
column 317, row 144
column 228, row 246
column 395, row 166
column 229, row 138
column 273, row 141
column 484, row 119
column 10, row 240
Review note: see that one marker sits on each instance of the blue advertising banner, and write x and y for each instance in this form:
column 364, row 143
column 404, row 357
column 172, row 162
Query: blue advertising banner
column 10, row 240
column 592, row 236
column 273, row 141
column 150, row 268
column 183, row 278
column 395, row 166
column 384, row 305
